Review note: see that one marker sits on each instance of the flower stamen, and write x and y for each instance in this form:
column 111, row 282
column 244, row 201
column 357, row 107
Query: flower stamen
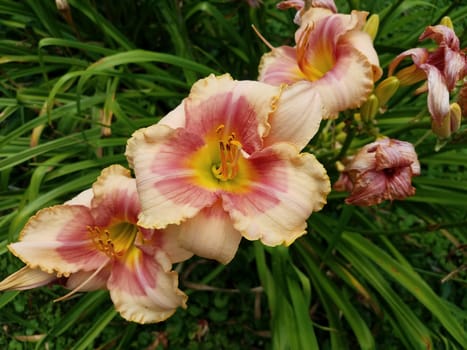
column 229, row 152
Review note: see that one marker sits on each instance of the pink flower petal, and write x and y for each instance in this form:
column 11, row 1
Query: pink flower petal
column 280, row 66
column 210, row 234
column 399, row 184
column 165, row 181
column 56, row 240
column 332, row 24
column 115, row 197
column 288, row 188
column 438, row 94
column 243, row 107
column 369, row 189
column 392, row 153
column 343, row 183
column 143, row 288
column 338, row 88
column 418, row 56
column 363, row 43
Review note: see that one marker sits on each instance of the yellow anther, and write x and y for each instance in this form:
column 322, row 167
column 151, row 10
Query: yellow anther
column 229, row 152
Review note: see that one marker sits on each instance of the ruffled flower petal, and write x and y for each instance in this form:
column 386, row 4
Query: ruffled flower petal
column 27, row 278
column 242, row 107
column 400, row 184
column 280, row 66
column 338, row 87
column 115, row 197
column 369, row 188
column 166, row 186
column 210, row 234
column 418, row 56
column 56, row 240
column 289, row 187
column 390, row 153
column 143, row 288
column 381, row 170
column 297, row 117
column 363, row 43
column 333, row 24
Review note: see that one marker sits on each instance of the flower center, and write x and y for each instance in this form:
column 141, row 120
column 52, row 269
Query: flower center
column 315, row 61
column 114, row 240
column 229, row 153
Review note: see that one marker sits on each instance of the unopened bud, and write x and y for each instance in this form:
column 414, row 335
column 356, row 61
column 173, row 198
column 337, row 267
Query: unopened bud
column 455, row 116
column 410, row 75
column 369, row 109
column 450, row 123
column 446, row 21
column 386, row 89
column 371, row 26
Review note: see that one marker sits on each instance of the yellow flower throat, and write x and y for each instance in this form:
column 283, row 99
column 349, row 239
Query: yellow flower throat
column 114, row 241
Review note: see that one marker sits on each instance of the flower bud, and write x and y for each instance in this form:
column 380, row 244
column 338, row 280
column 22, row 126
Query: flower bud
column 446, row 21
column 386, row 89
column 371, row 26
column 369, row 109
column 450, row 123
column 410, row 75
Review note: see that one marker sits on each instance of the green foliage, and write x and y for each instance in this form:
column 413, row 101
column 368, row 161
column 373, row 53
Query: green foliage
column 75, row 85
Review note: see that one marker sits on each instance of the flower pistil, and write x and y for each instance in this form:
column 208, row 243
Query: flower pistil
column 229, row 151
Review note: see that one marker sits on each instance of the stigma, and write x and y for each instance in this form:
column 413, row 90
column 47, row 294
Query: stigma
column 229, row 153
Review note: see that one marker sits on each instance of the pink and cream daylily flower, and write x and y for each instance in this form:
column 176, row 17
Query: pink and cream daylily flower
column 94, row 242
column 332, row 54
column 442, row 68
column 381, row 170
column 226, row 164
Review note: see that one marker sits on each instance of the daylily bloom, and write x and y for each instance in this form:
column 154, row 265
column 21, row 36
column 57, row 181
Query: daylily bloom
column 93, row 241
column 226, row 164
column 442, row 68
column 381, row 170
column 332, row 54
